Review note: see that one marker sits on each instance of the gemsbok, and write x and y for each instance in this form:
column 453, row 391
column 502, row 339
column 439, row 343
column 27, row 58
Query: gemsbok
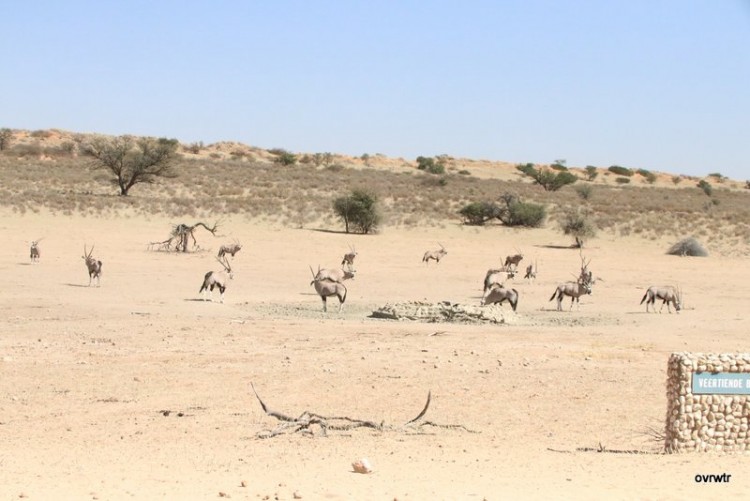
column 333, row 275
column 93, row 265
column 34, row 251
column 218, row 279
column 327, row 288
column 230, row 249
column 531, row 271
column 497, row 276
column 436, row 255
column 348, row 259
column 498, row 294
column 513, row 260
column 667, row 294
column 574, row 290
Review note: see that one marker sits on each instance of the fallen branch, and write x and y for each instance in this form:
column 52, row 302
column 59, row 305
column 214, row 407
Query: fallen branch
column 307, row 420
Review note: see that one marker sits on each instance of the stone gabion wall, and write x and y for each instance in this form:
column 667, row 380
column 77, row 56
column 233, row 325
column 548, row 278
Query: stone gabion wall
column 705, row 422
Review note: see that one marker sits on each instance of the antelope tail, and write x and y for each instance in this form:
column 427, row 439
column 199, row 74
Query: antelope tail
column 644, row 297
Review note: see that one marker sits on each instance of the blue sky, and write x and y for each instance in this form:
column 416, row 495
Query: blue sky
column 660, row 85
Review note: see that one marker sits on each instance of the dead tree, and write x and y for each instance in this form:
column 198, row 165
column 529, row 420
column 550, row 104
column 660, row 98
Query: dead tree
column 307, row 420
column 180, row 237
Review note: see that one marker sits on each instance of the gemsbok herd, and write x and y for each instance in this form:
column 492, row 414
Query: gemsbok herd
column 329, row 282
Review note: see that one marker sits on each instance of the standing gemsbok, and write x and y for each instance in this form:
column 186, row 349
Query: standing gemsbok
column 327, row 288
column 497, row 276
column 93, row 265
column 498, row 294
column 333, row 275
column 230, row 249
column 574, row 290
column 34, row 251
column 436, row 255
column 667, row 294
column 218, row 279
column 348, row 259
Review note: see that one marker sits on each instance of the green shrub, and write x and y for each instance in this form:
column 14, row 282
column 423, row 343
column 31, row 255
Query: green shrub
column 591, row 172
column 622, row 180
column 431, row 165
column 620, row 171
column 526, row 214
column 546, row 178
column 558, row 165
column 649, row 176
column 284, row 157
column 478, row 213
column 359, row 211
column 706, row 187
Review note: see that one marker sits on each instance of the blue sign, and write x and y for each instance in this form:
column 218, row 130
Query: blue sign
column 721, row 383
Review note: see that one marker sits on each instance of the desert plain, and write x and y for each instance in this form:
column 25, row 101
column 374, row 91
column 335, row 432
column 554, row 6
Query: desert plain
column 139, row 389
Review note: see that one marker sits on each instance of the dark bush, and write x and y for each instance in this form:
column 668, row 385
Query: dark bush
column 284, row 157
column 526, row 214
column 706, row 187
column 688, row 247
column 591, row 172
column 546, row 178
column 431, row 165
column 358, row 210
column 620, row 171
column 478, row 213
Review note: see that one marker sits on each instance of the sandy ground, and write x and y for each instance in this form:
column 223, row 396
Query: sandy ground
column 138, row 389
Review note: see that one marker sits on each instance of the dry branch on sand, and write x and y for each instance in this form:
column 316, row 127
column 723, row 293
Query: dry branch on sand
column 307, row 420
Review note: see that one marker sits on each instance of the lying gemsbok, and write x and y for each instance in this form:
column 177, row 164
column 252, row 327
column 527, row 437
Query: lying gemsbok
column 667, row 294
column 327, row 288
column 218, row 279
column 574, row 290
